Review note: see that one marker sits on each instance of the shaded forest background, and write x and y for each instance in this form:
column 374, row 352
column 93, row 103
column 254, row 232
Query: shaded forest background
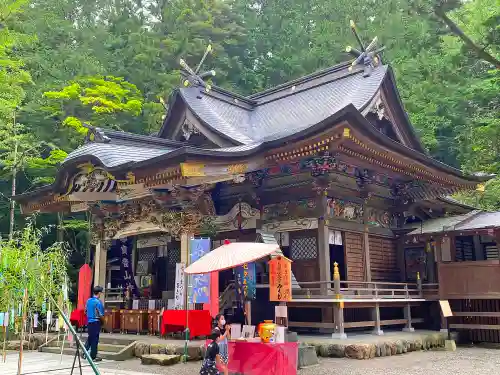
column 113, row 63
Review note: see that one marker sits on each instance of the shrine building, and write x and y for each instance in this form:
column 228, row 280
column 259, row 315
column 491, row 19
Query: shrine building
column 328, row 166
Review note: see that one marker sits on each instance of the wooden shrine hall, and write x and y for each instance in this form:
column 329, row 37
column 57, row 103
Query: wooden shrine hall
column 328, row 165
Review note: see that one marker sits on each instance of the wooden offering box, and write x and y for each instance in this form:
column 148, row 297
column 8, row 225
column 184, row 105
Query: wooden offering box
column 154, row 322
column 134, row 321
column 111, row 320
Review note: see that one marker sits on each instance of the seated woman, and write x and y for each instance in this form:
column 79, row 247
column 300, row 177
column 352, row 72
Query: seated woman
column 212, row 357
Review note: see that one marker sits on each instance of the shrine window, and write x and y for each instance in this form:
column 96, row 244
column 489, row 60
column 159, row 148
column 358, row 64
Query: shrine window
column 303, row 248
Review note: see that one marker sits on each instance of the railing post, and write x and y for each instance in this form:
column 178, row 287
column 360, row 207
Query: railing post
column 419, row 284
column 407, row 293
column 338, row 307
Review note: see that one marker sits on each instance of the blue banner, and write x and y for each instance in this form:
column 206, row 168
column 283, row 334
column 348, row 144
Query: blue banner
column 245, row 281
column 199, row 290
column 126, row 245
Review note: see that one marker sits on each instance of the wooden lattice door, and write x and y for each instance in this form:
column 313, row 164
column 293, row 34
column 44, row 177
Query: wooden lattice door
column 304, row 254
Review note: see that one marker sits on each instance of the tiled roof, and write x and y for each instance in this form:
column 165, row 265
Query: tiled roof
column 471, row 221
column 287, row 109
column 482, row 220
column 112, row 155
column 440, row 224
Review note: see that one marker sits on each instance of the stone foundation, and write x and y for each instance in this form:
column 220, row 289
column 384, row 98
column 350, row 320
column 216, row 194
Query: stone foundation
column 380, row 348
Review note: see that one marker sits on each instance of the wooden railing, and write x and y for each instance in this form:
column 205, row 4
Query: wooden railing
column 358, row 290
column 470, row 280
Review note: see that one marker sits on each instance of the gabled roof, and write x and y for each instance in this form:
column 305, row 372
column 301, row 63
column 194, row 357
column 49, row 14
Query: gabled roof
column 287, row 108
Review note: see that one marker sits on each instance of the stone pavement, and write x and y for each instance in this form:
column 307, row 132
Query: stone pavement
column 36, row 363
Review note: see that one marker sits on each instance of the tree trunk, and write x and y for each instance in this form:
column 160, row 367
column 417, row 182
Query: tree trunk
column 14, row 176
column 480, row 52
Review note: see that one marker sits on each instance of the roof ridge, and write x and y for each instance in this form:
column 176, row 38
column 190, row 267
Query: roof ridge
column 306, row 78
column 139, row 138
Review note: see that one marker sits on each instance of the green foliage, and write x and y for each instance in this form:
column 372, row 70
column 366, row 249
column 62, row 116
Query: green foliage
column 24, row 265
column 94, row 100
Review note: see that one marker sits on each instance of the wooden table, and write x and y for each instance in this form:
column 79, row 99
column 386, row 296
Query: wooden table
column 154, row 322
column 111, row 320
column 133, row 321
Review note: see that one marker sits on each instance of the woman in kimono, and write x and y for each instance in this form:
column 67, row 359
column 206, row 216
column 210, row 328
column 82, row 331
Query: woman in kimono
column 212, row 357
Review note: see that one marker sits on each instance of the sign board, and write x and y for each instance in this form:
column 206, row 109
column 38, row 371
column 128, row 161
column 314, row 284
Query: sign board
column 179, row 286
column 280, row 279
column 245, row 281
column 199, row 285
column 445, row 308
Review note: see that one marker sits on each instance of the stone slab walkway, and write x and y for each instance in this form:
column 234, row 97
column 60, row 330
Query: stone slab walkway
column 36, row 363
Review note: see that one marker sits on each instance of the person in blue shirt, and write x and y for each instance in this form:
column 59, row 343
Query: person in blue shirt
column 94, row 310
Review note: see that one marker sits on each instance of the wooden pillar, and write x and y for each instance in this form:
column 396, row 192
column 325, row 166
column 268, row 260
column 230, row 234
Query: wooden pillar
column 407, row 314
column 366, row 248
column 400, row 256
column 338, row 307
column 376, row 318
column 100, row 260
column 324, row 256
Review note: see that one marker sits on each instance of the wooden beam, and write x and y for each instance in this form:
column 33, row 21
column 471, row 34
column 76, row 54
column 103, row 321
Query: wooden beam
column 485, row 314
column 475, row 326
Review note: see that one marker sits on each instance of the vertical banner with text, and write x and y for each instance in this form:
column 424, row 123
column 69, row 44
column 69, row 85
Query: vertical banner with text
column 245, row 281
column 180, row 292
column 199, row 285
column 280, row 279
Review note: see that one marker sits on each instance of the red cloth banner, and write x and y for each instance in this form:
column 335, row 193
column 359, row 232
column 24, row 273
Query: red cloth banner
column 214, row 293
column 78, row 318
column 254, row 358
column 84, row 284
column 199, row 321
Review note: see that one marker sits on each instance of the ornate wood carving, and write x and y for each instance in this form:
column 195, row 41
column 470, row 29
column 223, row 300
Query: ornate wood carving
column 343, row 209
column 289, row 209
column 180, row 196
column 290, row 225
column 241, row 216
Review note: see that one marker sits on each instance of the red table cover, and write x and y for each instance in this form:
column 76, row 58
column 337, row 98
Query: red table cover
column 78, row 318
column 255, row 358
column 200, row 322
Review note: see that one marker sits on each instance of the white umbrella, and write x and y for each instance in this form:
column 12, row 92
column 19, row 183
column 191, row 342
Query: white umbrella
column 231, row 255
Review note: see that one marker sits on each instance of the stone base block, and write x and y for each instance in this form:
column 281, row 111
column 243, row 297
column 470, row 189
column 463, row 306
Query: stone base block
column 307, row 356
column 450, row 346
column 160, row 359
column 339, row 336
column 378, row 332
column 406, row 329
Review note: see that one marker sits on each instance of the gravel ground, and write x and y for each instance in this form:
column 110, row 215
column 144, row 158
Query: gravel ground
column 465, row 361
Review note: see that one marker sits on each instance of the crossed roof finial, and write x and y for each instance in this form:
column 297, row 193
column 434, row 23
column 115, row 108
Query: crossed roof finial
column 368, row 56
column 192, row 76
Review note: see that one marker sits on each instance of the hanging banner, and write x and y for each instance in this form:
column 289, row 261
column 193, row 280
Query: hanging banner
column 84, row 284
column 126, row 246
column 180, row 292
column 280, row 279
column 245, row 281
column 199, row 285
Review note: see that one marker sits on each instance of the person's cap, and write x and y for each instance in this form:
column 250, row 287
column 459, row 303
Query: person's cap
column 98, row 289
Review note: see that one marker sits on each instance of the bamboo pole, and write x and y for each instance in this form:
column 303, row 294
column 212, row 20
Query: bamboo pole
column 68, row 323
column 4, row 351
column 25, row 305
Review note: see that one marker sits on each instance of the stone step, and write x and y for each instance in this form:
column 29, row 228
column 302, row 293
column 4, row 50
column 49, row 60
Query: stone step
column 121, row 355
column 102, row 347
column 116, row 339
column 72, row 351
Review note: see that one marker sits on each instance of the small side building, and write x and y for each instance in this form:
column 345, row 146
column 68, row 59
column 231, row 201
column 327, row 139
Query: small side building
column 462, row 254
